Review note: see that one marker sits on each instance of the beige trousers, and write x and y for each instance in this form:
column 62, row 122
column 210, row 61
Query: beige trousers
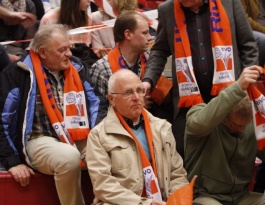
column 52, row 157
column 251, row 198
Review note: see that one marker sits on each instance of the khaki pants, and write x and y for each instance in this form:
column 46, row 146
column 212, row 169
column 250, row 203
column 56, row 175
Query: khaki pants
column 49, row 156
column 251, row 198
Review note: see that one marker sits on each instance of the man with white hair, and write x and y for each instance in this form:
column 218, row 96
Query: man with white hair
column 48, row 106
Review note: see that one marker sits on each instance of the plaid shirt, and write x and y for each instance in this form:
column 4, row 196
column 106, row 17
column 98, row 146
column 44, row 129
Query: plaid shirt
column 100, row 72
column 41, row 123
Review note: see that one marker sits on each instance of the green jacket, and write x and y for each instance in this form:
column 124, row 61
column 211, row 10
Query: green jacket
column 252, row 9
column 223, row 162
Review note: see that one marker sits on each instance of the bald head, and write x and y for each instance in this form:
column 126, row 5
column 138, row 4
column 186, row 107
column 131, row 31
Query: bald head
column 119, row 78
column 126, row 94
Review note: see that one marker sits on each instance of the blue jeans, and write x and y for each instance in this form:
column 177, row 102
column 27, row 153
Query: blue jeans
column 4, row 59
column 260, row 38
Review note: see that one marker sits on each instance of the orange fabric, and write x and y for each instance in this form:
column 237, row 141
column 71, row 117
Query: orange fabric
column 222, row 52
column 163, row 85
column 66, row 132
column 161, row 90
column 117, row 62
column 258, row 105
column 182, row 196
column 144, row 158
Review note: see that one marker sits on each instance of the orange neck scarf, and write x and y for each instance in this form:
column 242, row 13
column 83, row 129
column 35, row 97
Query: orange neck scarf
column 74, row 125
column 150, row 174
column 117, row 62
column 222, row 52
column 258, row 108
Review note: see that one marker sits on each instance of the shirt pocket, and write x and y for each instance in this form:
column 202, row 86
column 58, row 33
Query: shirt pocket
column 120, row 154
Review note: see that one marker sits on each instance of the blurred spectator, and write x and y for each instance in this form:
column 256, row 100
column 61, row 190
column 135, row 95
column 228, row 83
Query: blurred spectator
column 256, row 17
column 14, row 32
column 103, row 40
column 77, row 16
column 39, row 10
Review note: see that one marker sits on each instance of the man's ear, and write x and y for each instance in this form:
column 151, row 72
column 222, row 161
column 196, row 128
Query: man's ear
column 110, row 97
column 42, row 52
column 127, row 34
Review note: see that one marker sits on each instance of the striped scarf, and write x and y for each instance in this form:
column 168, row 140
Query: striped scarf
column 117, row 62
column 152, row 190
column 74, row 124
column 163, row 85
column 222, row 52
column 258, row 109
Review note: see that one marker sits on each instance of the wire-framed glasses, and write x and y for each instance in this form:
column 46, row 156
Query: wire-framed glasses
column 130, row 92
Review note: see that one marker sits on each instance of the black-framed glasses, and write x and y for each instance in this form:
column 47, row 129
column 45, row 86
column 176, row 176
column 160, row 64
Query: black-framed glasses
column 130, row 92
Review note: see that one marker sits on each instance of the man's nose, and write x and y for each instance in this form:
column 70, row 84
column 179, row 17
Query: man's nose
column 68, row 53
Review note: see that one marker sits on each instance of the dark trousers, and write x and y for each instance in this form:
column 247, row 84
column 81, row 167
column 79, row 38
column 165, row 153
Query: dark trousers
column 178, row 129
column 260, row 178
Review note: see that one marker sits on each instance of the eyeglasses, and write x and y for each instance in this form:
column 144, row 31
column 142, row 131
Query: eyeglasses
column 129, row 93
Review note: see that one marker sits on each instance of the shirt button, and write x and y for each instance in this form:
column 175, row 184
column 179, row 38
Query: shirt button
column 203, row 58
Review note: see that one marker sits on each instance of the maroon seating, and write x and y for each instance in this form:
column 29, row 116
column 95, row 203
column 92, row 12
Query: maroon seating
column 41, row 190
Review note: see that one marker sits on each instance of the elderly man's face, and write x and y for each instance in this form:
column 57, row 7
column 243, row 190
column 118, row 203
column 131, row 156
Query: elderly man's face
column 236, row 123
column 128, row 97
column 55, row 54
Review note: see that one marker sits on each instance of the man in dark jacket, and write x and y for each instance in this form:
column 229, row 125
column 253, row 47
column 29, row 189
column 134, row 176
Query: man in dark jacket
column 48, row 106
column 187, row 30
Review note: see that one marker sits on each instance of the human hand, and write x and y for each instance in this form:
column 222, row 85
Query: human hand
column 103, row 52
column 155, row 202
column 249, row 75
column 148, row 102
column 147, row 87
column 27, row 20
column 21, row 173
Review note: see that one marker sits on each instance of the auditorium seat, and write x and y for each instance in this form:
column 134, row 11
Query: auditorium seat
column 40, row 191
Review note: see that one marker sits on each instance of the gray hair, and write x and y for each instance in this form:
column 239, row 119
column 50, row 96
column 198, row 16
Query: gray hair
column 44, row 35
column 243, row 109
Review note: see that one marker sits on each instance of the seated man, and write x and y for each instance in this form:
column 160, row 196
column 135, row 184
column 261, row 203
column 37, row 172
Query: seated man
column 47, row 107
column 10, row 32
column 131, row 155
column 220, row 145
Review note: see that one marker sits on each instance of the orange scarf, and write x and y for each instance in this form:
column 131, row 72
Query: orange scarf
column 258, row 108
column 117, row 62
column 222, row 52
column 150, row 174
column 74, row 125
column 163, row 85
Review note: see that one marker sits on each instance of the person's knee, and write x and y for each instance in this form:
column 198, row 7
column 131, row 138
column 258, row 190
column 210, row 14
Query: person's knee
column 69, row 159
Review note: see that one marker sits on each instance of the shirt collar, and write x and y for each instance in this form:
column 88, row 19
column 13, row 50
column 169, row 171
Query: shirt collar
column 131, row 123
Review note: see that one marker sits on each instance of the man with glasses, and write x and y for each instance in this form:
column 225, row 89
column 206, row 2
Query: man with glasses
column 221, row 147
column 131, row 154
